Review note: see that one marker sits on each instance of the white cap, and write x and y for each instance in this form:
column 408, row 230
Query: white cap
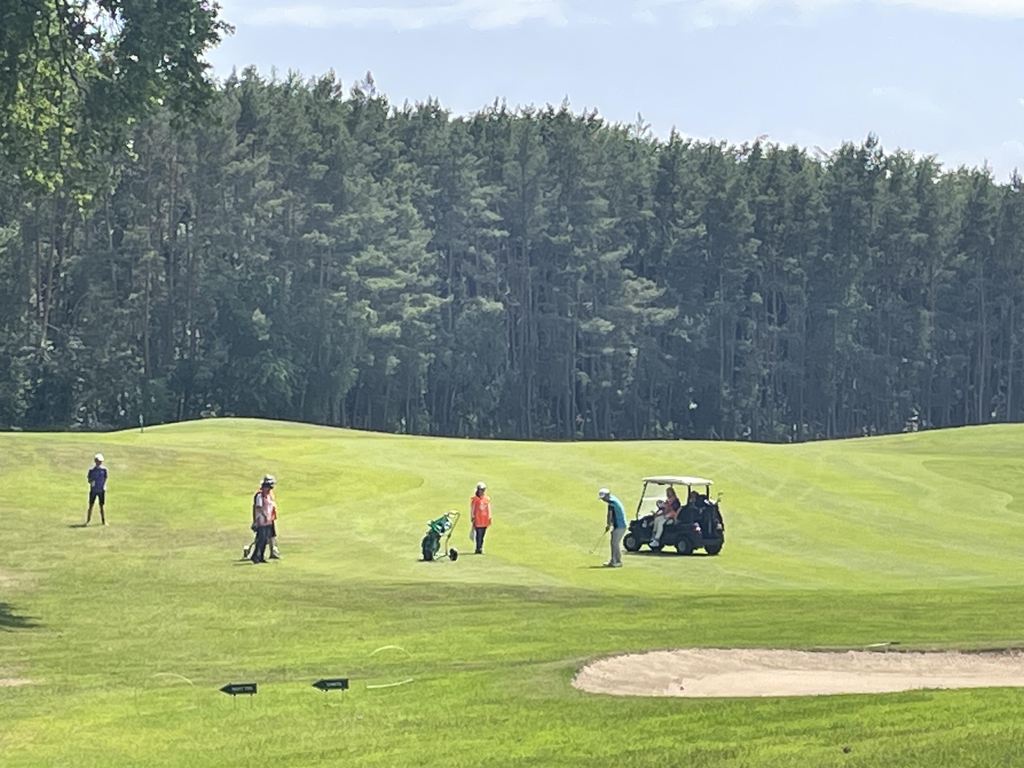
column 268, row 480
column 481, row 486
column 603, row 493
column 99, row 457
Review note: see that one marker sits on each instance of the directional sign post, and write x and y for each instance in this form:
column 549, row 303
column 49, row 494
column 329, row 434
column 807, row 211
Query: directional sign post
column 234, row 689
column 331, row 684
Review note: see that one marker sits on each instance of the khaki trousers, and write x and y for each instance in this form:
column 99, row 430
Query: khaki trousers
column 617, row 534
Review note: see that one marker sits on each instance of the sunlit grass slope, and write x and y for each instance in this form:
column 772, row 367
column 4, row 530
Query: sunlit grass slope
column 126, row 632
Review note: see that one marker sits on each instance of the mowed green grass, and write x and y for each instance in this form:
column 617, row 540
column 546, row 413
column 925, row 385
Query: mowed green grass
column 127, row 632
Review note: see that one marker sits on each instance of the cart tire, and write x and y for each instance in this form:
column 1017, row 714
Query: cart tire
column 713, row 549
column 631, row 543
column 453, row 554
column 684, row 547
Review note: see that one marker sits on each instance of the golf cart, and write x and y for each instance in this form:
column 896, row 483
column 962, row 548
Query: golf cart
column 698, row 525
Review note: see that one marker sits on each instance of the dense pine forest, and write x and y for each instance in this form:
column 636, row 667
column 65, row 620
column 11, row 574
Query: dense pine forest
column 294, row 249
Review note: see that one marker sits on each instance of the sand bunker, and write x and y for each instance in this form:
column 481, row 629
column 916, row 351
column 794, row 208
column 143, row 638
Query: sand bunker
column 710, row 672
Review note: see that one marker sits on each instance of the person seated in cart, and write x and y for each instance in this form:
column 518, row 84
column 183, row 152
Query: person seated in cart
column 667, row 510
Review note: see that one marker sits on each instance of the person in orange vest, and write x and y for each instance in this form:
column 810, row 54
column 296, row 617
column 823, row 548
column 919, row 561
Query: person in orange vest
column 480, row 515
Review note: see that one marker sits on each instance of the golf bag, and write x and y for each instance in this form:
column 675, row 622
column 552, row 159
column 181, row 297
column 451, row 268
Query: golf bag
column 437, row 529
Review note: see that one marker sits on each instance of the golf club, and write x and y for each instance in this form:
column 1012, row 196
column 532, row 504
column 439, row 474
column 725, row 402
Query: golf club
column 597, row 543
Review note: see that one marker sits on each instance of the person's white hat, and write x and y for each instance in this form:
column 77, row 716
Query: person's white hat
column 268, row 480
column 603, row 493
column 481, row 486
column 99, row 457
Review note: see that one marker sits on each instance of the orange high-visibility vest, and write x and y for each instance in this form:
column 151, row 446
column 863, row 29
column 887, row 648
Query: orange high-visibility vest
column 480, row 509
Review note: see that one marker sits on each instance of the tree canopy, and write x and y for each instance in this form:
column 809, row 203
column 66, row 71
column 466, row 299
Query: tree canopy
column 75, row 74
column 304, row 252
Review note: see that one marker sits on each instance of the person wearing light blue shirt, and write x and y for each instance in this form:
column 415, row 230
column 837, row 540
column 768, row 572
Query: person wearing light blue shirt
column 616, row 523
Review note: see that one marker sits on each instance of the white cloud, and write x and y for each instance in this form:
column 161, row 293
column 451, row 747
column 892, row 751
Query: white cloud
column 705, row 13
column 1013, row 8
column 401, row 14
column 494, row 14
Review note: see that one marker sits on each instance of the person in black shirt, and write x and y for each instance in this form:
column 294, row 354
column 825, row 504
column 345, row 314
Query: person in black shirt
column 97, row 488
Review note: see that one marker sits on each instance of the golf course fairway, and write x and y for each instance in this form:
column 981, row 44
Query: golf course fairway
column 115, row 640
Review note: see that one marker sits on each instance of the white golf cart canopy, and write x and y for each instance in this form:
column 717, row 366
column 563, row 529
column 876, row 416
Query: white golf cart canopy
column 677, row 480
column 653, row 491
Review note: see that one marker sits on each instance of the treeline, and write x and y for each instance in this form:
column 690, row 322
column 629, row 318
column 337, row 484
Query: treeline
column 306, row 253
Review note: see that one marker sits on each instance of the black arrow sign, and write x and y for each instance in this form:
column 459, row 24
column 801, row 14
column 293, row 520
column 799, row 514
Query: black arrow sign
column 233, row 689
column 332, row 684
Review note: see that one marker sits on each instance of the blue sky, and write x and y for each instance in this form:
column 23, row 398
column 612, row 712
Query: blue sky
column 943, row 77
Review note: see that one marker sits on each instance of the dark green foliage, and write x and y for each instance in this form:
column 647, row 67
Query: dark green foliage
column 302, row 253
column 76, row 74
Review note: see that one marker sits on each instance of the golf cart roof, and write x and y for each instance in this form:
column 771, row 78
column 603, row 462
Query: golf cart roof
column 677, row 480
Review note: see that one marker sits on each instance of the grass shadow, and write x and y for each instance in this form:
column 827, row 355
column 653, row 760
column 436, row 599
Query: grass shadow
column 78, row 525
column 9, row 620
column 671, row 554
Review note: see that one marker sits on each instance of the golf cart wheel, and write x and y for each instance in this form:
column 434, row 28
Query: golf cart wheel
column 713, row 549
column 631, row 543
column 684, row 547
column 453, row 554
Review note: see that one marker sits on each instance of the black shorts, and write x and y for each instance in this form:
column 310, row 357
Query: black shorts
column 273, row 530
column 94, row 495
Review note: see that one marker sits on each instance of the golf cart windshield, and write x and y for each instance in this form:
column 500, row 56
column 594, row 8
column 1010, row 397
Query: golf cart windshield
column 652, row 494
